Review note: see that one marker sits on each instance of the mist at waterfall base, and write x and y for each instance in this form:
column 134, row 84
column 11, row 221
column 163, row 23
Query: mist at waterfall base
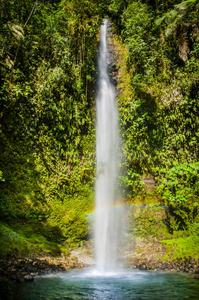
column 107, row 280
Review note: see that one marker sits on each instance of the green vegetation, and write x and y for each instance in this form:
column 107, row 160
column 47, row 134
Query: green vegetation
column 182, row 244
column 179, row 189
column 150, row 222
column 47, row 150
column 181, row 248
column 158, row 107
column 47, row 126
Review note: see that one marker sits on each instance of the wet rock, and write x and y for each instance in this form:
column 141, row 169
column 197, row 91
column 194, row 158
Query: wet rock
column 143, row 267
column 112, row 66
column 25, row 269
column 34, row 274
column 134, row 267
column 19, row 279
column 28, row 278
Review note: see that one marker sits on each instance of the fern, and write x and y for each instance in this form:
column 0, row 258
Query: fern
column 17, row 31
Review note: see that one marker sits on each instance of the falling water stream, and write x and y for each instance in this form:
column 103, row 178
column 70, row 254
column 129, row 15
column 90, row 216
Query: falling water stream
column 107, row 222
column 106, row 281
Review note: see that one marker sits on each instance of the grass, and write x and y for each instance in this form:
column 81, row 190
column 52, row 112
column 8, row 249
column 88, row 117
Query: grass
column 27, row 242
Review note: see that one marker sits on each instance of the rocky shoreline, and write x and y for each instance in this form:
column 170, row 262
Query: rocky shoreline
column 149, row 256
column 188, row 265
column 142, row 256
column 21, row 269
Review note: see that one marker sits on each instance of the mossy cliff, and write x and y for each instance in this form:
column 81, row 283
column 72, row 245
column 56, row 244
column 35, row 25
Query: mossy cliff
column 47, row 162
column 47, row 124
column 158, row 106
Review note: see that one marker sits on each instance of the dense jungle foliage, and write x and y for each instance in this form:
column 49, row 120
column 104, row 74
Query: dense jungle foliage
column 47, row 87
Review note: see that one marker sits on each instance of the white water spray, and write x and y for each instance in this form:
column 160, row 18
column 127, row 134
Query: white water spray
column 106, row 221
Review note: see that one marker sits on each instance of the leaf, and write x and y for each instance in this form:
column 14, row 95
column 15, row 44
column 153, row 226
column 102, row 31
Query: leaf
column 159, row 21
column 184, row 4
column 9, row 62
column 17, row 31
column 173, row 14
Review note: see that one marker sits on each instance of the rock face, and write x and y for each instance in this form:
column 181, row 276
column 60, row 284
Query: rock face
column 149, row 183
column 84, row 255
column 147, row 255
column 112, row 55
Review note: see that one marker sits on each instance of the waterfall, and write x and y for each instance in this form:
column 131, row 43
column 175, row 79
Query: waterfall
column 107, row 141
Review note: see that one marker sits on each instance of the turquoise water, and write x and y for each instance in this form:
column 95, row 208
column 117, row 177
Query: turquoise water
column 127, row 284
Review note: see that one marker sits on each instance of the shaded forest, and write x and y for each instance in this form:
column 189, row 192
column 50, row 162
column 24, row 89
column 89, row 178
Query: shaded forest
column 47, row 87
